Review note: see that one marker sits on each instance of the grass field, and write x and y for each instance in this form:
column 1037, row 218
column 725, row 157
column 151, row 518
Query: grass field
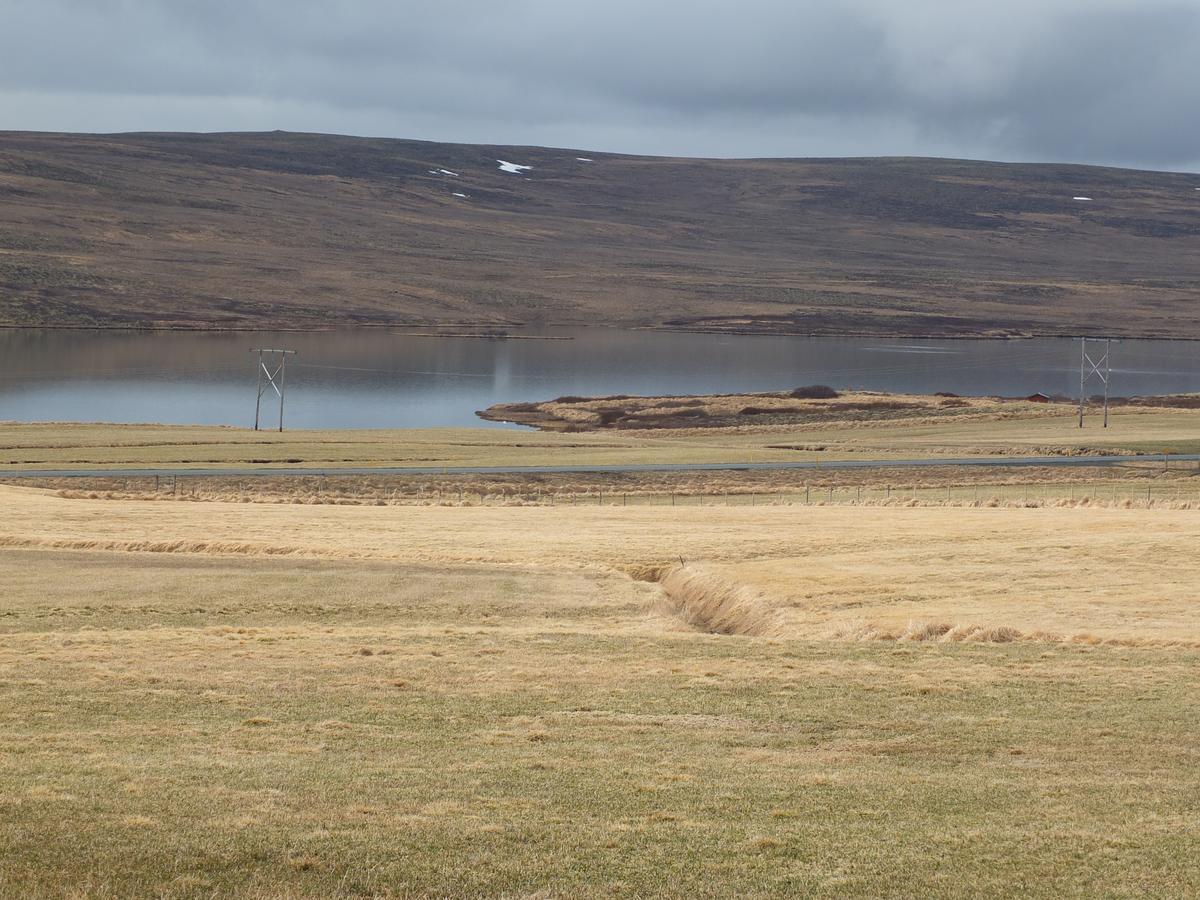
column 288, row 700
column 995, row 429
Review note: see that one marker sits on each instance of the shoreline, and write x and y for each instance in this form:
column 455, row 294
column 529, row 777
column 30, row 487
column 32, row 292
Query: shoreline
column 664, row 329
column 479, row 336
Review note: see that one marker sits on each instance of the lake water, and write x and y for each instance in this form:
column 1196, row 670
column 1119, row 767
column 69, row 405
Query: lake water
column 376, row 378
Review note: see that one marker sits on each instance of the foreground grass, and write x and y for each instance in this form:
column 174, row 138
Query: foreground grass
column 259, row 728
column 482, row 703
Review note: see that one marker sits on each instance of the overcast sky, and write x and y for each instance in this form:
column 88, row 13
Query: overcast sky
column 1101, row 81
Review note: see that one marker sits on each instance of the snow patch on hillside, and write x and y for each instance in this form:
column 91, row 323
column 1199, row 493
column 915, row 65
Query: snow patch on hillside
column 514, row 168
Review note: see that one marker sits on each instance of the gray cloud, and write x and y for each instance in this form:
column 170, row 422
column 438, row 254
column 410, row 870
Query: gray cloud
column 1105, row 81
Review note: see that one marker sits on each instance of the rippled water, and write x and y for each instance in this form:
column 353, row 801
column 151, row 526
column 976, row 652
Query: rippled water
column 377, row 378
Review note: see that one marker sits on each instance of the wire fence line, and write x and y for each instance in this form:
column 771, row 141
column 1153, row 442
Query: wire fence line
column 838, row 495
column 319, row 491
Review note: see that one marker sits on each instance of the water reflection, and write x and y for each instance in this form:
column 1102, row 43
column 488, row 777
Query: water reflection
column 378, row 378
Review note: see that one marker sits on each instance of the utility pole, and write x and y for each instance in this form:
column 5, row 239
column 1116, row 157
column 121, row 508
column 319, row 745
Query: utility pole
column 1101, row 368
column 274, row 366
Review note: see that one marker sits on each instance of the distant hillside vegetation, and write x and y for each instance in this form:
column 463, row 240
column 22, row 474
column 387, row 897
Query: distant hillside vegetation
column 299, row 230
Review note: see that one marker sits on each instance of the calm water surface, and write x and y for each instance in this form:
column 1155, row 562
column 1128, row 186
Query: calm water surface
column 373, row 378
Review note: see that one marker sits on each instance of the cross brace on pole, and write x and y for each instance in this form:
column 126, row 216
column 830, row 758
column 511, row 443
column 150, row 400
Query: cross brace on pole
column 273, row 365
column 1099, row 367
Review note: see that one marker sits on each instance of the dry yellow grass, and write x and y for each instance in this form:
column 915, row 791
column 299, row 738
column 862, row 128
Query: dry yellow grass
column 337, row 701
column 1116, row 572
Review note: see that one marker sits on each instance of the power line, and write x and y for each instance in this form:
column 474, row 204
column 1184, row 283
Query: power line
column 278, row 359
column 1088, row 367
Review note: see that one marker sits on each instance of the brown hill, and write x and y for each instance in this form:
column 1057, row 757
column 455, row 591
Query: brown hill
column 248, row 230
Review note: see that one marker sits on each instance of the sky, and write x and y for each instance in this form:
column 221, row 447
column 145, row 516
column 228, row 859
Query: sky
column 1114, row 82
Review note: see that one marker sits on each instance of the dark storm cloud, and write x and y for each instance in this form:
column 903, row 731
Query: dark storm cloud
column 1113, row 81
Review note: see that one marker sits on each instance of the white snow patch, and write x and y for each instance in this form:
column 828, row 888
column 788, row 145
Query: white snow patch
column 1081, row 198
column 585, row 159
column 457, row 194
column 514, row 168
column 448, row 172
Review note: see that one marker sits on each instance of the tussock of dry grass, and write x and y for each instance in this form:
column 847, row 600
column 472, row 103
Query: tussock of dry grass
column 927, row 631
column 945, row 633
column 707, row 603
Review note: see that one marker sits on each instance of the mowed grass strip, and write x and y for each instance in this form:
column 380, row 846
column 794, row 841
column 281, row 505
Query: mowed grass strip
column 182, row 725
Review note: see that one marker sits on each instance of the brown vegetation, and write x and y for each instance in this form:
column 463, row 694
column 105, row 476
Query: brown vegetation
column 1132, row 483
column 709, row 604
column 782, row 409
column 269, row 230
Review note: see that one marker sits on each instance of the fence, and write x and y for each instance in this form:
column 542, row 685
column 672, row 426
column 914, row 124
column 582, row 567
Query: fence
column 1115, row 491
column 813, row 495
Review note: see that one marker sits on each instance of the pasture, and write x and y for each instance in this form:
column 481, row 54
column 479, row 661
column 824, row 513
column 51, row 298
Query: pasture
column 977, row 427
column 290, row 700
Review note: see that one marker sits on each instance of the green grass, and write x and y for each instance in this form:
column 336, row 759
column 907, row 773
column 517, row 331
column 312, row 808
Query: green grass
column 178, row 726
column 1029, row 431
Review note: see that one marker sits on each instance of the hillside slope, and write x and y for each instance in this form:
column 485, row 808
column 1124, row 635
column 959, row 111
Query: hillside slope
column 249, row 230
